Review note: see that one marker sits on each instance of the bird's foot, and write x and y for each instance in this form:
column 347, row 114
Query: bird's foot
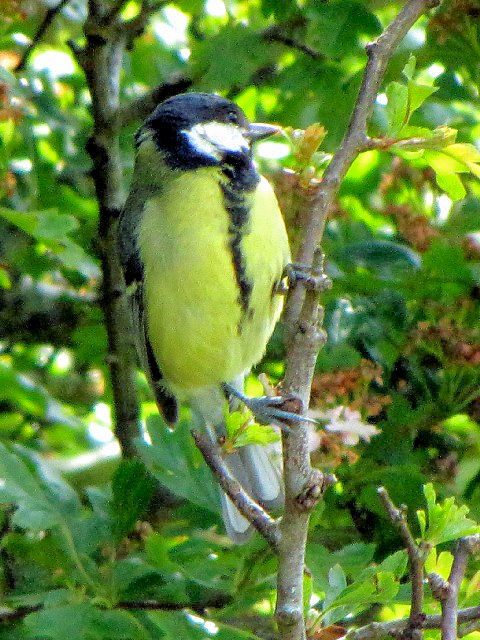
column 278, row 410
column 312, row 279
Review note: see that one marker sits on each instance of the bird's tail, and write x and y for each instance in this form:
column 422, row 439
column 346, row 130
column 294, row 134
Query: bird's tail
column 257, row 468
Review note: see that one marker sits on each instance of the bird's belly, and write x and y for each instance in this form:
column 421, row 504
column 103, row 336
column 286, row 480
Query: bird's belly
column 199, row 332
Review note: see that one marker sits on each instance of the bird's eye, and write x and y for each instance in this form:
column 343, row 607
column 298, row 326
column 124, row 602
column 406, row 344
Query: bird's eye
column 232, row 117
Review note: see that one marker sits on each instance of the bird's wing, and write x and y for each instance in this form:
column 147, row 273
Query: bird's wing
column 133, row 273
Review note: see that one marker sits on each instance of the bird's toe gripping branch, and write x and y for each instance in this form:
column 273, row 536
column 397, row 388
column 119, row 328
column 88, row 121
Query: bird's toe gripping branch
column 278, row 410
column 312, row 279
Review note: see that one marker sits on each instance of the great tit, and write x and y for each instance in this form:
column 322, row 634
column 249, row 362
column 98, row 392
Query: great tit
column 204, row 249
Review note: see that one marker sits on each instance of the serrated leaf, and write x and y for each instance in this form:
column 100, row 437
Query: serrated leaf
column 41, row 224
column 409, row 68
column 83, row 620
column 446, row 521
column 337, row 580
column 397, row 106
column 464, row 152
column 464, row 219
column 53, row 229
column 176, row 462
column 422, row 522
column 307, row 591
column 451, row 184
column 132, row 488
column 243, row 51
column 396, row 564
column 442, row 163
column 417, row 94
column 257, row 434
column 234, row 422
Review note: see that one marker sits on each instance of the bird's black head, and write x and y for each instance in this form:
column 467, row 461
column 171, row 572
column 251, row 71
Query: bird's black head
column 197, row 130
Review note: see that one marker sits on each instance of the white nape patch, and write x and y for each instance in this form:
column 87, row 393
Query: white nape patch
column 214, row 138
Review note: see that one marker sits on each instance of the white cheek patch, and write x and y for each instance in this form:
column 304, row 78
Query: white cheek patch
column 215, row 138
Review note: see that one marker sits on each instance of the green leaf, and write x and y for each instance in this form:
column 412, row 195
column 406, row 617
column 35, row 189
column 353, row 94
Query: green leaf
column 132, row 488
column 175, row 461
column 41, row 224
column 53, row 229
column 336, row 29
column 243, row 51
column 234, row 422
column 337, row 581
column 307, row 591
column 397, row 106
column 464, row 219
column 451, row 184
column 281, row 10
column 395, row 564
column 417, row 94
column 409, row 68
column 257, row 434
column 446, row 521
column 83, row 620
column 35, row 509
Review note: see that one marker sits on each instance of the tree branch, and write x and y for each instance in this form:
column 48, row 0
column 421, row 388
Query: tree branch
column 254, row 513
column 275, row 34
column 215, row 601
column 395, row 628
column 305, row 336
column 416, row 559
column 46, row 22
column 466, row 547
column 102, row 62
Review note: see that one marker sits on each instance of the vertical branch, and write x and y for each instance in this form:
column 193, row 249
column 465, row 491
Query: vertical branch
column 305, row 334
column 466, row 546
column 101, row 60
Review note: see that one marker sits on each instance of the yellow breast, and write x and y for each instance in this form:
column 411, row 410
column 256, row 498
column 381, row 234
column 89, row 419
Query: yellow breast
column 200, row 334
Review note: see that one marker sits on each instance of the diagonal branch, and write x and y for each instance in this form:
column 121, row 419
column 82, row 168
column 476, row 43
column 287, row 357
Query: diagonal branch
column 254, row 513
column 305, row 336
column 46, row 22
column 416, row 559
column 395, row 628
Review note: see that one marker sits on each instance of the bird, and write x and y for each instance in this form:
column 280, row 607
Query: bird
column 204, row 249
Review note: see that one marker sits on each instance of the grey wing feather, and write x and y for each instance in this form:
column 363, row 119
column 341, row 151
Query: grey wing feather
column 133, row 274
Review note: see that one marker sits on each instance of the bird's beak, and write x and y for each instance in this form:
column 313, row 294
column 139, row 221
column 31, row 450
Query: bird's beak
column 258, row 131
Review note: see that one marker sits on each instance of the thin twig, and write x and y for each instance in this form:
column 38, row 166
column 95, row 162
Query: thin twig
column 275, row 34
column 46, row 22
column 304, row 333
column 416, row 559
column 466, row 546
column 215, row 601
column 252, row 511
column 409, row 144
column 379, row 630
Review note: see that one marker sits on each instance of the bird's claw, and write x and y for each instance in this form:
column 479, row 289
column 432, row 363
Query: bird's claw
column 313, row 279
column 266, row 409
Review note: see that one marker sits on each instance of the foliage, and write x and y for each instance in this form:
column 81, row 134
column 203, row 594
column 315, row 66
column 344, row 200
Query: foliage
column 84, row 535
